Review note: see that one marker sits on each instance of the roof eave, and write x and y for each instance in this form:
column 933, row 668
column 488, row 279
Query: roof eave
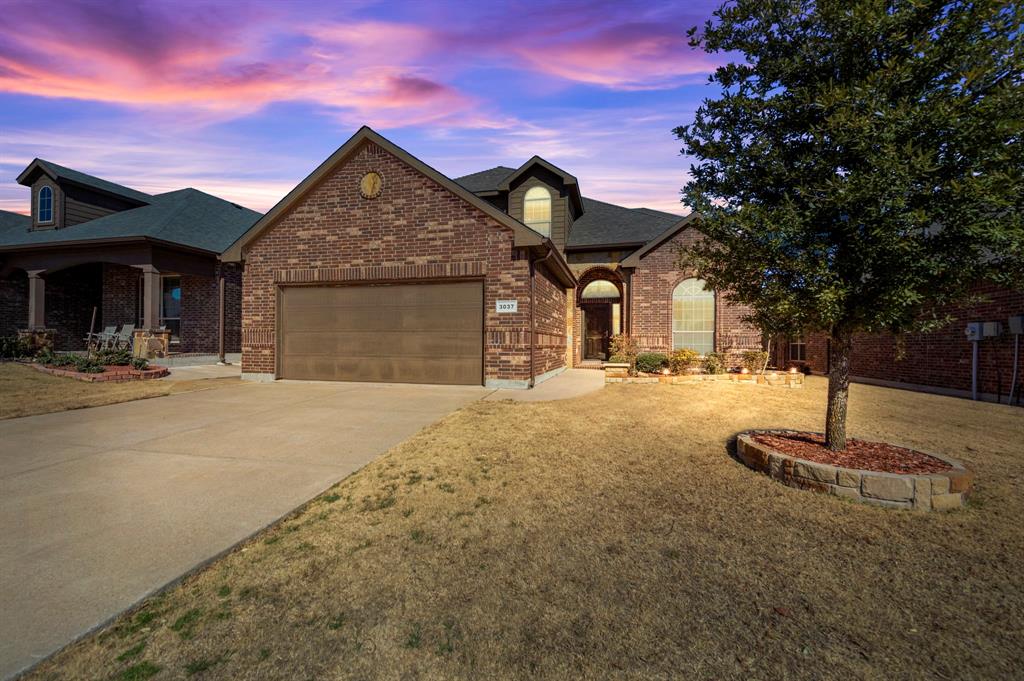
column 524, row 236
column 633, row 260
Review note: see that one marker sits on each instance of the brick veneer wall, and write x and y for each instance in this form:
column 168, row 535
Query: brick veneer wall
column 414, row 230
column 653, row 283
column 13, row 303
column 120, row 295
column 70, row 297
column 941, row 359
column 549, row 296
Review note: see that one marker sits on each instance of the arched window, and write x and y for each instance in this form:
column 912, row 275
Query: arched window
column 600, row 289
column 45, row 212
column 537, row 210
column 693, row 317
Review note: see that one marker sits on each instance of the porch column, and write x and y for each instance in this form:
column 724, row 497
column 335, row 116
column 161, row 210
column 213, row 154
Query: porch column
column 627, row 303
column 220, row 315
column 150, row 297
column 36, row 300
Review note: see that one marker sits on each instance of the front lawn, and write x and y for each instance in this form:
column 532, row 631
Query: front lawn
column 610, row 536
column 25, row 391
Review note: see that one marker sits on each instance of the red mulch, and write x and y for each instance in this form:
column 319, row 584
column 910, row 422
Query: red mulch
column 869, row 456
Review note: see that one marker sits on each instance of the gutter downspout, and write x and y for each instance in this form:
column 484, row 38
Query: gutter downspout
column 533, row 315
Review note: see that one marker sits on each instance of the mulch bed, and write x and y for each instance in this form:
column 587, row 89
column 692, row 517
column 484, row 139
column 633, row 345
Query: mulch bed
column 880, row 457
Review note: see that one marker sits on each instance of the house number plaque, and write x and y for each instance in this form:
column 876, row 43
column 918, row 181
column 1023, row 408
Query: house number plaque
column 506, row 306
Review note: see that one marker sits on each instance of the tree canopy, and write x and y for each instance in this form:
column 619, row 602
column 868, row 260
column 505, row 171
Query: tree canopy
column 861, row 165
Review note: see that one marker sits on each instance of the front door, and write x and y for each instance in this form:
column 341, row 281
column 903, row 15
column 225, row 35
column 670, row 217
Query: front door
column 598, row 319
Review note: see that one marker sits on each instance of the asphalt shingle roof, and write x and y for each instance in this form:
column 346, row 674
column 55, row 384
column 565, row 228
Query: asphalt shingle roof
column 13, row 221
column 601, row 223
column 187, row 216
column 485, row 180
column 62, row 173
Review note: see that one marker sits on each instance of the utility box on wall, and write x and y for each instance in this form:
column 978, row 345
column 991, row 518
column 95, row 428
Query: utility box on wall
column 992, row 329
column 1016, row 325
column 973, row 331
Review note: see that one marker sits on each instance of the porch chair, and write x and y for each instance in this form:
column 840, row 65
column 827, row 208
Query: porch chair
column 122, row 340
column 99, row 339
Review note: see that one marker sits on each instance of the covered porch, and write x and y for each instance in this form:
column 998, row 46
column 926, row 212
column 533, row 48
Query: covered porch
column 601, row 312
column 61, row 293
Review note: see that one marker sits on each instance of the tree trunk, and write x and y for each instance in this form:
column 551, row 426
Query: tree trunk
column 838, row 389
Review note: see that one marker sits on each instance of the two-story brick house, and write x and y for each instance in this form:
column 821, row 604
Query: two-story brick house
column 377, row 267
column 134, row 258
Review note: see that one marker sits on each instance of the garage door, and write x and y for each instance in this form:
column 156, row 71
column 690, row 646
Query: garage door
column 410, row 333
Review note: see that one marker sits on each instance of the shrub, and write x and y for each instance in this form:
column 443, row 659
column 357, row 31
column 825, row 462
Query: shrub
column 682, row 360
column 651, row 362
column 122, row 357
column 754, row 360
column 12, row 347
column 86, row 365
column 140, row 363
column 624, row 349
column 714, row 363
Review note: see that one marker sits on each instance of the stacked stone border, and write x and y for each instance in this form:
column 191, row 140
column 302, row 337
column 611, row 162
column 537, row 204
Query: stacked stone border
column 112, row 373
column 927, row 492
column 615, row 372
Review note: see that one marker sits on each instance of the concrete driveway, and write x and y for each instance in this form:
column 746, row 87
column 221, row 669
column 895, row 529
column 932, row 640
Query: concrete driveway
column 99, row 507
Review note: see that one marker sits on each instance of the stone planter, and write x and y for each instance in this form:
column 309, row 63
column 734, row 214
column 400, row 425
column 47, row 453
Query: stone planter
column 943, row 491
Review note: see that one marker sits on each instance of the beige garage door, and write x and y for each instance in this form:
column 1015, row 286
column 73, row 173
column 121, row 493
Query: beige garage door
column 409, row 333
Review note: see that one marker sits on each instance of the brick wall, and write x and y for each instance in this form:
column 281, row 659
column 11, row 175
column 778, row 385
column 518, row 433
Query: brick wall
column 70, row 297
column 549, row 297
column 414, row 230
column 653, row 283
column 941, row 359
column 120, row 295
column 200, row 305
column 13, row 303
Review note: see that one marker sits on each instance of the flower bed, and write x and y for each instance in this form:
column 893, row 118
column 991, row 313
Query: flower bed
column 867, row 472
column 111, row 372
column 615, row 372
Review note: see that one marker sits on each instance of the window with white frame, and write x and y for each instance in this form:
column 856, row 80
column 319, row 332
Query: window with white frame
column 537, row 210
column 45, row 208
column 693, row 317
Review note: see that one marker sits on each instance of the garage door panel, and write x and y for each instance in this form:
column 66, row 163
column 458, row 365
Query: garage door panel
column 416, row 333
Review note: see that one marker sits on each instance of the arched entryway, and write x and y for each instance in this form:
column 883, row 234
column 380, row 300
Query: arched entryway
column 599, row 299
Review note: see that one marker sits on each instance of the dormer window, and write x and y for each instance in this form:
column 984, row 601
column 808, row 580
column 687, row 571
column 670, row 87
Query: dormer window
column 45, row 212
column 537, row 210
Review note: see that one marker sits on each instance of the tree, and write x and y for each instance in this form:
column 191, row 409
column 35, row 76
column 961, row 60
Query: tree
column 861, row 166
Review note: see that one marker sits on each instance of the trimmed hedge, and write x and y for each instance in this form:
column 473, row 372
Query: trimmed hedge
column 651, row 362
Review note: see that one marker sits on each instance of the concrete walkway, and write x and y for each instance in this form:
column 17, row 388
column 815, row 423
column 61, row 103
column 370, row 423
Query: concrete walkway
column 569, row 383
column 100, row 507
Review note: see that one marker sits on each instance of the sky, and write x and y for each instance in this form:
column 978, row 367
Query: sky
column 244, row 99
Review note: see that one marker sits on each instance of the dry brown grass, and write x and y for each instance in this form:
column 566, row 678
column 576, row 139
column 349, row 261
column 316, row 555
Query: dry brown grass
column 24, row 391
column 611, row 536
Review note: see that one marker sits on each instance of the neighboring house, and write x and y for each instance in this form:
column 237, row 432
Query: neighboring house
column 939, row 361
column 377, row 267
column 134, row 258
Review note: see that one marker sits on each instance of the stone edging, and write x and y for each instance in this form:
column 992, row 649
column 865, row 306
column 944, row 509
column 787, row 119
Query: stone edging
column 619, row 373
column 926, row 492
column 116, row 374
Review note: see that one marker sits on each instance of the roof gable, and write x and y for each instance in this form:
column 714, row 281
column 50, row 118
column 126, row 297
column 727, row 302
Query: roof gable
column 61, row 174
column 633, row 260
column 571, row 185
column 523, row 235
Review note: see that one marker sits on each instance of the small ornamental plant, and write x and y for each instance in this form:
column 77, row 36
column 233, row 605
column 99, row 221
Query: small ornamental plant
column 651, row 362
column 683, row 360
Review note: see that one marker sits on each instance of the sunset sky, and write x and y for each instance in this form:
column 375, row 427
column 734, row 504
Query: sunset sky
column 244, row 99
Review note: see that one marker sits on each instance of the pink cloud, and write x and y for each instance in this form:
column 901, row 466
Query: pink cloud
column 627, row 56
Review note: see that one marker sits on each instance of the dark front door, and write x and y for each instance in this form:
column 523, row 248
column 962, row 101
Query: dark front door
column 598, row 319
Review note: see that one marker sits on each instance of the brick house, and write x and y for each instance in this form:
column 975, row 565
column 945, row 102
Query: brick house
column 134, row 258
column 940, row 361
column 377, row 267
